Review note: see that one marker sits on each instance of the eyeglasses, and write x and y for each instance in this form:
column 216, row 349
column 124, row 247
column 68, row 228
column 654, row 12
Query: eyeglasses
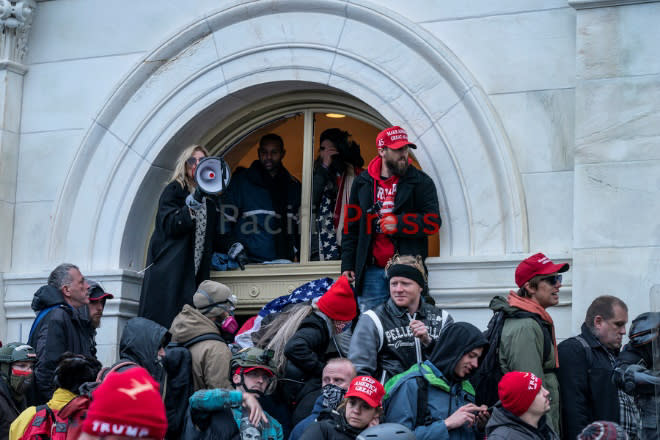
column 552, row 279
column 192, row 161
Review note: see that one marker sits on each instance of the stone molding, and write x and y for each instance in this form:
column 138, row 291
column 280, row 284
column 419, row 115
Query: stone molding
column 15, row 23
column 591, row 4
column 129, row 145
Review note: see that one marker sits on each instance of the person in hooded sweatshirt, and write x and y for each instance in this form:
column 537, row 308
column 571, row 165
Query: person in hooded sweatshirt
column 393, row 208
column 520, row 414
column 211, row 323
column 450, row 411
column 143, row 342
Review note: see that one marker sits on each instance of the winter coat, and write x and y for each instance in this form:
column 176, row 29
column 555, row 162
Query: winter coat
column 300, row 428
column 393, row 352
column 9, row 408
column 587, row 391
column 140, row 342
column 170, row 280
column 417, row 212
column 211, row 358
column 256, row 205
column 330, row 425
column 62, row 329
column 504, row 425
column 521, row 349
column 446, row 392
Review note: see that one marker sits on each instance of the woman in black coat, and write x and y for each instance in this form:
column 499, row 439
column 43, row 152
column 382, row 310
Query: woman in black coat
column 182, row 245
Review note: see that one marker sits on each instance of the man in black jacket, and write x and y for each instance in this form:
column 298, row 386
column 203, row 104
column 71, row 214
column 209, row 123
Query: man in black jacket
column 586, row 363
column 59, row 326
column 393, row 209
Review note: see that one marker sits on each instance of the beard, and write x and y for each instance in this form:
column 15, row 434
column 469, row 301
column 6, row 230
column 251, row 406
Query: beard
column 398, row 167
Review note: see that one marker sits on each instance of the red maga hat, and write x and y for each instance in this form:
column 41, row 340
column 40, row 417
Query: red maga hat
column 537, row 264
column 394, row 138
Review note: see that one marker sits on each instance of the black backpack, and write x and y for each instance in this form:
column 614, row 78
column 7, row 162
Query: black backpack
column 489, row 373
column 180, row 385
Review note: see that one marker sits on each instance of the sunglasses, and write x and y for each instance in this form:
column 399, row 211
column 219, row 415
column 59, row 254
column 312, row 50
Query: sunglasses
column 192, row 161
column 552, row 279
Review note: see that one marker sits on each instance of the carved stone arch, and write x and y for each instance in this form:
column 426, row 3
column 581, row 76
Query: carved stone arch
column 104, row 212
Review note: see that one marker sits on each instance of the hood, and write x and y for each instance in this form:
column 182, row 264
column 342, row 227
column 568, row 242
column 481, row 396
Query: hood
column 456, row 340
column 338, row 420
column 140, row 342
column 190, row 323
column 501, row 417
column 45, row 297
column 500, row 303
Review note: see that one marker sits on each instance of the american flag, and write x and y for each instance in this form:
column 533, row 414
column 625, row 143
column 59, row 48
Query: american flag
column 306, row 292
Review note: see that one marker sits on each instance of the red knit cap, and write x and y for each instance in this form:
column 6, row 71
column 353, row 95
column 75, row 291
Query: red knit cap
column 127, row 404
column 338, row 302
column 517, row 391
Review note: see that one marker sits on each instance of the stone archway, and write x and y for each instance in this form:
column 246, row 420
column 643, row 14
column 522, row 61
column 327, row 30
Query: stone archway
column 390, row 64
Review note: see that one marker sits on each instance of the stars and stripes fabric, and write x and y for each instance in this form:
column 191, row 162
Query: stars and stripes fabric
column 306, row 292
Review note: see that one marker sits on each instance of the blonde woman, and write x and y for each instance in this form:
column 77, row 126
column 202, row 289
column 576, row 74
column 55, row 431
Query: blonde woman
column 399, row 333
column 181, row 247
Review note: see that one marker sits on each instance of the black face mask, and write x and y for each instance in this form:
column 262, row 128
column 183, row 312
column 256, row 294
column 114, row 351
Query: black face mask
column 332, row 395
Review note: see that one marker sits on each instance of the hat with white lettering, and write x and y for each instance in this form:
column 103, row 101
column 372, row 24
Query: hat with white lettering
column 394, row 138
column 368, row 389
column 127, row 404
column 517, row 391
column 537, row 264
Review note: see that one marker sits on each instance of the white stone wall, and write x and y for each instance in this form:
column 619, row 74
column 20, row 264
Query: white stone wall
column 537, row 120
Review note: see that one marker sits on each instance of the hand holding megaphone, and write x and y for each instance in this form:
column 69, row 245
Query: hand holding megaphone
column 212, row 176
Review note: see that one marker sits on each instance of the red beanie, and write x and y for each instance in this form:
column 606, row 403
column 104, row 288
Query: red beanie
column 338, row 302
column 127, row 404
column 517, row 391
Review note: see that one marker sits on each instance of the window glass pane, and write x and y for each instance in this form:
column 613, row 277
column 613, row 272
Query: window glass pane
column 262, row 202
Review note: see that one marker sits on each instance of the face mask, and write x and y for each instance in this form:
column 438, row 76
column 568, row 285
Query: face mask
column 229, row 325
column 332, row 395
column 19, row 380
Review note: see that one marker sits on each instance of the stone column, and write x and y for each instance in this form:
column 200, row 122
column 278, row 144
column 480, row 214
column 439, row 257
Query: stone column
column 617, row 153
column 15, row 22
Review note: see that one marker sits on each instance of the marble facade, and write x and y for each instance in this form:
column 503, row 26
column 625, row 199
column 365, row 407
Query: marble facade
column 538, row 120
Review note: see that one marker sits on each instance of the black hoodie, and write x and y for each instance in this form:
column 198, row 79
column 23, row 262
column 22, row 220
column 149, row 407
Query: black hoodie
column 140, row 342
column 457, row 339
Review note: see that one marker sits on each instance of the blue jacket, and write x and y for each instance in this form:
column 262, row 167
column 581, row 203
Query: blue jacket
column 304, row 423
column 261, row 212
column 443, row 400
column 217, row 400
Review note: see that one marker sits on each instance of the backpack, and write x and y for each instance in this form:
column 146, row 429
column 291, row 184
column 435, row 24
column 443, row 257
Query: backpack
column 180, row 385
column 66, row 423
column 489, row 374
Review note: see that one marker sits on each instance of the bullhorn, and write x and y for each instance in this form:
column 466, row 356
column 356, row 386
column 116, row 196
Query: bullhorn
column 212, row 175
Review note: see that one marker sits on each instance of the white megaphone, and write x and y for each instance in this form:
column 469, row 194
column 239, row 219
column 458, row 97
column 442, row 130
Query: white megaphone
column 212, row 175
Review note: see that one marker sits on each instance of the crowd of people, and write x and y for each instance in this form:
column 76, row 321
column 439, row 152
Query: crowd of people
column 369, row 356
